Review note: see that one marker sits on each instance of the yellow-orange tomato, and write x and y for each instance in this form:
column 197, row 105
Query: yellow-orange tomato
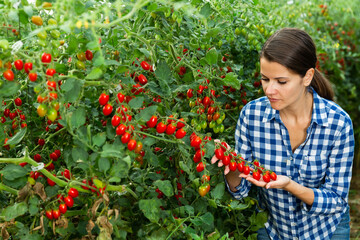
column 37, row 20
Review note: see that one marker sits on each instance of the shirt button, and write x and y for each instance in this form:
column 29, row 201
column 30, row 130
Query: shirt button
column 292, row 209
column 293, row 224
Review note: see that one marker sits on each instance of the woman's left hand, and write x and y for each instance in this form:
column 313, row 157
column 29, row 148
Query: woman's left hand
column 280, row 182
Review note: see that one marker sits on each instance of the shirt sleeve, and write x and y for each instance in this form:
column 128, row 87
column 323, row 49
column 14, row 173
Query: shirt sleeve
column 332, row 196
column 242, row 148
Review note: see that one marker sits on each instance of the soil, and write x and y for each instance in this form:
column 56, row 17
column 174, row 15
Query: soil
column 354, row 202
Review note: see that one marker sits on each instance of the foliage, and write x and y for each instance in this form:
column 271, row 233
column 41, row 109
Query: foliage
column 200, row 55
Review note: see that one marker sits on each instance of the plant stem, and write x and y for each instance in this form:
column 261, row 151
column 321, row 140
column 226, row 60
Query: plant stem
column 8, row 189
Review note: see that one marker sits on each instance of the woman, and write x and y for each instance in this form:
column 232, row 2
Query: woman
column 297, row 131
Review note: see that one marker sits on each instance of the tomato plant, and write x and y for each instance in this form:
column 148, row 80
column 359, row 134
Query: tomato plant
column 123, row 103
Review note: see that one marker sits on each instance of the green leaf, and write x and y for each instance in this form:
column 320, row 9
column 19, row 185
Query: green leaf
column 112, row 150
column 12, row 172
column 24, row 18
column 151, row 209
column 78, row 118
column 210, row 148
column 212, row 56
column 121, row 167
column 218, row 191
column 13, row 16
column 231, row 79
column 72, row 89
column 206, row 10
column 72, row 45
column 146, row 113
column 237, row 205
column 33, row 205
column 163, row 74
column 9, row 88
column 17, row 137
column 136, row 103
column 28, row 10
column 165, row 186
column 98, row 61
column 104, row 164
column 60, row 68
column 79, row 154
column 206, row 219
column 184, row 167
column 99, row 139
column 15, row 211
column 109, row 62
column 213, row 32
column 94, row 74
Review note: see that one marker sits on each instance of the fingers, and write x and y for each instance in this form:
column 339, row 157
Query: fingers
column 214, row 159
column 227, row 170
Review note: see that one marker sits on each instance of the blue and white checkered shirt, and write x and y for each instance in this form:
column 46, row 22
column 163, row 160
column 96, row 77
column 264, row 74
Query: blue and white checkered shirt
column 323, row 163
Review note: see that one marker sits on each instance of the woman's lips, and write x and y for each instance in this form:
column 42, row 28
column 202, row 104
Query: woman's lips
column 273, row 99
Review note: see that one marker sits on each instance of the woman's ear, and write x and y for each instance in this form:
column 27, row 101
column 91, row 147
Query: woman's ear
column 309, row 76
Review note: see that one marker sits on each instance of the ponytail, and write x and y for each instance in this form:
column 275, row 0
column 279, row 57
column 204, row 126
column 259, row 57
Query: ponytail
column 322, row 85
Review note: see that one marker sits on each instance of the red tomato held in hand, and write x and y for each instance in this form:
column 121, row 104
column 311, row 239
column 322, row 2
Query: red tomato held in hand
column 273, row 176
column 226, row 160
column 73, row 192
column 256, row 175
column 266, row 178
column 233, row 166
column 219, row 153
column 246, row 170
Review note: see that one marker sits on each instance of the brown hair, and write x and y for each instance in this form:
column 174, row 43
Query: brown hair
column 294, row 49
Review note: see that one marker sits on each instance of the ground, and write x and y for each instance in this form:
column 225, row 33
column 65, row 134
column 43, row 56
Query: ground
column 354, row 202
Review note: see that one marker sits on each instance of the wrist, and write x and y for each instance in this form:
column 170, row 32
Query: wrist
column 288, row 186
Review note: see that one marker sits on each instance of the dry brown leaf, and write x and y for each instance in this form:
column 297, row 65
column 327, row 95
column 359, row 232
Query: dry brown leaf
column 4, row 233
column 24, row 192
column 89, row 227
column 96, row 206
column 62, row 222
column 103, row 222
column 40, row 190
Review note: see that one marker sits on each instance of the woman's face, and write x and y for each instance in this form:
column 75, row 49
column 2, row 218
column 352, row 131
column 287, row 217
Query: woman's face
column 284, row 88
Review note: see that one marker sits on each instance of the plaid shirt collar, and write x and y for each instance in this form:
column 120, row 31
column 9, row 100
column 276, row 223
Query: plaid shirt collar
column 319, row 114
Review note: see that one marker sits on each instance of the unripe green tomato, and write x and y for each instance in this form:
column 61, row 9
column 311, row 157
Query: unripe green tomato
column 37, row 88
column 55, row 43
column 42, row 35
column 219, row 120
column 4, row 44
column 52, row 21
column 80, row 65
column 192, row 103
column 55, row 33
column 198, row 128
column 41, row 43
column 194, row 122
column 216, row 129
column 157, row 37
column 223, row 116
column 212, row 124
column 221, row 128
column 41, row 110
column 237, row 31
column 203, row 124
column 52, row 114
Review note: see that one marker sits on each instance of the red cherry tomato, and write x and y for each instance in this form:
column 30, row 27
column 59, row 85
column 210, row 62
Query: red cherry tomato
column 9, row 75
column 49, row 214
column 107, row 109
column 69, row 201
column 161, row 127
column 125, row 138
column 233, row 166
column 180, row 133
column 273, row 176
column 89, row 55
column 103, row 99
column 266, row 178
column 256, row 175
column 32, row 77
column 19, row 64
column 27, row 67
column 63, row 208
column 131, row 144
column 120, row 130
column 170, row 129
column 73, row 192
column 46, row 58
column 56, row 213
column 145, row 65
column 152, row 122
column 200, row 167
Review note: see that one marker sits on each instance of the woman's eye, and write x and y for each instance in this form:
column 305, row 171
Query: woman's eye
column 280, row 82
column 264, row 79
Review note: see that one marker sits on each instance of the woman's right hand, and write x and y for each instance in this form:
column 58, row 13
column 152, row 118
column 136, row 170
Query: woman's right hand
column 214, row 159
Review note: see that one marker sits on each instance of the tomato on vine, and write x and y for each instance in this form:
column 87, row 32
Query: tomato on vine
column 73, row 192
column 41, row 110
column 46, row 58
column 28, row 66
column 19, row 64
column 200, row 167
column 9, row 75
column 48, row 214
column 161, row 127
column 120, row 130
column 152, row 122
column 103, row 99
column 138, row 147
column 170, row 129
column 88, row 55
column 180, row 133
column 125, row 138
column 145, row 65
column 69, row 201
column 32, row 77
column 131, row 144
column 107, row 109
column 204, row 189
column 63, row 208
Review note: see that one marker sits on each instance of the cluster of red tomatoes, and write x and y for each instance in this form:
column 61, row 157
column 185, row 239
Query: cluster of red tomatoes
column 65, row 203
column 235, row 162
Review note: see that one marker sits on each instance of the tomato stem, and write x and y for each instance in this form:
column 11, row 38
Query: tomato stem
column 8, row 189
